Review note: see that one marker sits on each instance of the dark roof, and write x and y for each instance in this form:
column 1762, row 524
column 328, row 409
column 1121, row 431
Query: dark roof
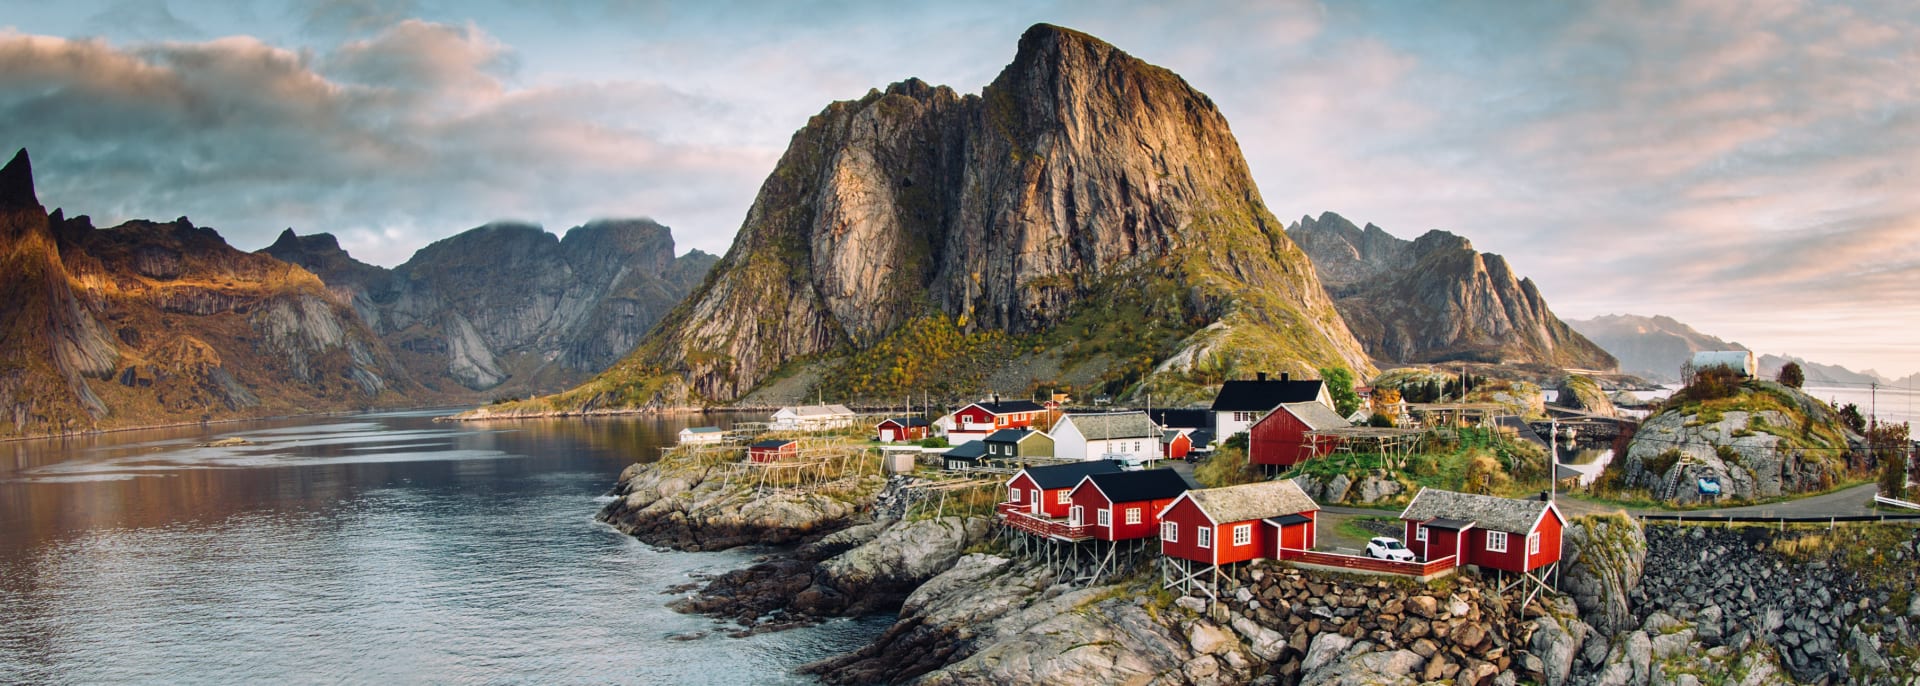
column 1008, row 435
column 1146, row 484
column 1011, row 406
column 1069, row 474
column 774, row 443
column 1182, row 418
column 1449, row 524
column 907, row 421
column 1201, row 437
column 967, row 450
column 1169, row 435
column 1289, row 519
column 1261, row 396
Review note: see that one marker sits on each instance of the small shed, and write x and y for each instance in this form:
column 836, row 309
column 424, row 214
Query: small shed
column 895, row 429
column 1507, row 534
column 1125, row 505
column 1226, row 525
column 773, row 450
column 702, row 435
column 1176, row 443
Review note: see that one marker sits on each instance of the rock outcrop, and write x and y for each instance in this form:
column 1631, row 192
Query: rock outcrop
column 1651, row 347
column 1767, row 441
column 1602, row 561
column 689, row 504
column 1436, row 299
column 509, row 308
column 150, row 323
column 1584, row 394
column 1010, row 212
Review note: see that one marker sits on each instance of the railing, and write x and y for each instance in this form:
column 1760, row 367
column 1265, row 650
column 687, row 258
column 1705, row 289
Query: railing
column 1017, row 516
column 1896, row 502
column 1369, row 564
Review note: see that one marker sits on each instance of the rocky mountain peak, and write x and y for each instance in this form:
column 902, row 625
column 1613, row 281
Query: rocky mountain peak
column 16, row 183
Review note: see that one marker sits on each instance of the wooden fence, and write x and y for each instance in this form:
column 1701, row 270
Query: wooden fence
column 1017, row 517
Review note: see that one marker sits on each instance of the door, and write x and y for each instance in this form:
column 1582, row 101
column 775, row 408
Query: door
column 1036, row 502
column 886, row 435
column 1076, row 515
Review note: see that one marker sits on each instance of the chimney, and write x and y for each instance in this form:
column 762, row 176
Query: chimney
column 1285, row 376
column 1260, row 376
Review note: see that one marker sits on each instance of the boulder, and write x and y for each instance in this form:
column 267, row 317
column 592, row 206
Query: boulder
column 1265, row 643
column 1555, row 643
column 1207, row 638
column 1324, row 649
column 1603, row 560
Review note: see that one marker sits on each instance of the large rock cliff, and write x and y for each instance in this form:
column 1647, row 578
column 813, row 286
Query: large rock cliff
column 149, row 323
column 1436, row 299
column 1080, row 183
column 1652, row 347
column 510, row 308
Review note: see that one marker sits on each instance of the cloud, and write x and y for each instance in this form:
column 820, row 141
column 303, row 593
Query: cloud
column 150, row 19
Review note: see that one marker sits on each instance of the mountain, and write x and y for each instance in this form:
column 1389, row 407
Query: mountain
column 1818, row 374
column 1650, row 347
column 148, row 323
column 1436, row 299
column 509, row 308
column 1087, row 216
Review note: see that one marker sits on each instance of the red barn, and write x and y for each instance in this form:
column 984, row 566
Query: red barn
column 1175, row 444
column 1497, row 533
column 975, row 421
column 1042, row 491
column 1279, row 438
column 773, row 450
column 1123, row 506
column 903, row 429
column 1225, row 525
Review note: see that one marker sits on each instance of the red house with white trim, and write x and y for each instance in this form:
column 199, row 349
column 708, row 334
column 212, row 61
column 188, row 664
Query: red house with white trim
column 773, row 450
column 1225, row 525
column 975, row 421
column 1496, row 533
column 1279, row 439
column 1176, row 443
column 895, row 429
column 1123, row 506
column 1043, row 491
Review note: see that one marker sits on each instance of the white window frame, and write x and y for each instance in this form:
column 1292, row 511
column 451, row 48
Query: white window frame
column 1103, row 516
column 1133, row 515
column 1170, row 532
column 1420, row 532
column 1060, row 497
column 1205, row 539
column 1496, row 541
column 1019, row 496
column 1243, row 534
column 1533, row 543
column 1076, row 515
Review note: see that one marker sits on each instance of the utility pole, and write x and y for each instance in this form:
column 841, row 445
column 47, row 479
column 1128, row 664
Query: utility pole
column 1553, row 460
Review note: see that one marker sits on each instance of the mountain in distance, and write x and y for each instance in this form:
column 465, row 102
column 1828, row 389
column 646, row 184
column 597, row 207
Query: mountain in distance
column 1653, row 347
column 508, row 308
column 1817, row 374
column 148, row 323
column 1436, row 299
column 1088, row 218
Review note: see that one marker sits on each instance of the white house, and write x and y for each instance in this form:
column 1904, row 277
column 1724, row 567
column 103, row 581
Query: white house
column 812, row 418
column 1125, row 436
column 1241, row 403
column 697, row 435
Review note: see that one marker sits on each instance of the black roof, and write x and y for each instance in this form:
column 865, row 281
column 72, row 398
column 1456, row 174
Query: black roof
column 967, row 450
column 906, row 421
column 773, row 443
column 1263, row 395
column 1147, row 484
column 1069, row 474
column 1182, row 418
column 1289, row 519
column 1008, row 435
column 1011, row 406
column 1201, row 437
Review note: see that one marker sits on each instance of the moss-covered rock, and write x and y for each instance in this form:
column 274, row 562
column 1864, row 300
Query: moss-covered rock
column 1766, row 440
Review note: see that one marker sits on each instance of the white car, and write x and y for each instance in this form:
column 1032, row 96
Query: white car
column 1384, row 548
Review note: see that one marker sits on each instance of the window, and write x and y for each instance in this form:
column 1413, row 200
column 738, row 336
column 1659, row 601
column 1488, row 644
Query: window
column 1533, row 543
column 1242, row 534
column 1497, row 541
column 1016, row 495
column 1060, row 497
column 1170, row 532
column 1206, row 537
column 1103, row 516
column 1076, row 516
column 1133, row 515
column 1420, row 532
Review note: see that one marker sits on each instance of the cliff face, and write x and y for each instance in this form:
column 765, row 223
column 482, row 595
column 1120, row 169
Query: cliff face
column 1436, row 299
column 1652, row 347
column 149, row 323
column 509, row 307
column 1080, row 175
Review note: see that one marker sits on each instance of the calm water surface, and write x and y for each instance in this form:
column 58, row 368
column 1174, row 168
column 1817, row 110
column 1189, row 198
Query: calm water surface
column 371, row 548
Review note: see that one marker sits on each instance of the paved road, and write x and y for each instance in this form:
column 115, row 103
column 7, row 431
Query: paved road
column 1857, row 500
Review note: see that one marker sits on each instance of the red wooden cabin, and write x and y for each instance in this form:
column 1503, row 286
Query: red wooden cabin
column 903, row 429
column 1497, row 533
column 1279, row 438
column 976, row 420
column 1225, row 525
column 1123, row 506
column 773, row 450
column 1042, row 491
column 1175, row 444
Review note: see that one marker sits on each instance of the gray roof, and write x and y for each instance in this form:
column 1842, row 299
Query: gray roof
column 1316, row 416
column 1253, row 501
column 1115, row 425
column 818, row 410
column 1487, row 512
column 702, row 430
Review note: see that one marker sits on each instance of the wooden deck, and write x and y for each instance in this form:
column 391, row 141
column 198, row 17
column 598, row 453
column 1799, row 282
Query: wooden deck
column 1423, row 570
column 1017, row 516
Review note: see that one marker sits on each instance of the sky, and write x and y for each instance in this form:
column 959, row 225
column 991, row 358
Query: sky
column 1748, row 168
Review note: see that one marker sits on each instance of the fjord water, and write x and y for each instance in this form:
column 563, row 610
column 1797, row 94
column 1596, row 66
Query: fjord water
column 371, row 548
